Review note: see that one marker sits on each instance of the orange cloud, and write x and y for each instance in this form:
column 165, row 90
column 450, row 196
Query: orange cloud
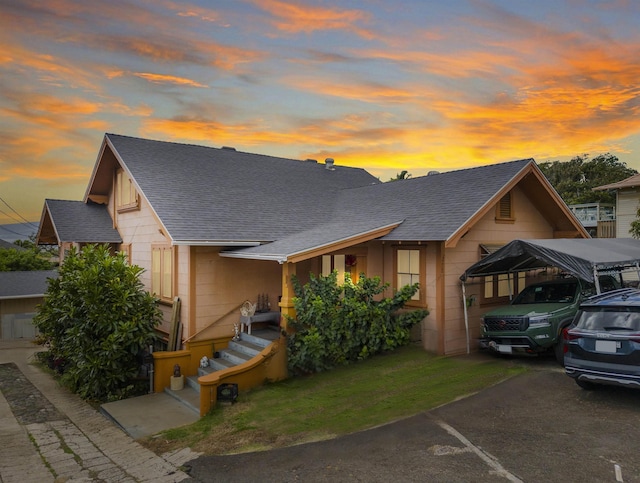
column 294, row 18
column 168, row 79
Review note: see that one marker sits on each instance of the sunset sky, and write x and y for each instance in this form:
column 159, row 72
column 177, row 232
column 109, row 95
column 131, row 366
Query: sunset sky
column 386, row 86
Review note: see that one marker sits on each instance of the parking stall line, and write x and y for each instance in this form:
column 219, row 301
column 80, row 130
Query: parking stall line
column 490, row 460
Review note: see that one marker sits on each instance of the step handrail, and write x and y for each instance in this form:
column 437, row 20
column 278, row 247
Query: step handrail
column 215, row 322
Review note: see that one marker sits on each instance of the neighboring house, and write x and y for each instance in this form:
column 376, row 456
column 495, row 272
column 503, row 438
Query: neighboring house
column 20, row 294
column 216, row 227
column 598, row 218
column 627, row 203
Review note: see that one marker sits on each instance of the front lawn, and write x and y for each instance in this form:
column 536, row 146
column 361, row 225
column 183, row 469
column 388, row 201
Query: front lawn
column 379, row 390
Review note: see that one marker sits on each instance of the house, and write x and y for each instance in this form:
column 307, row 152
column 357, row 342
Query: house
column 598, row 218
column 216, row 227
column 627, row 203
column 20, row 294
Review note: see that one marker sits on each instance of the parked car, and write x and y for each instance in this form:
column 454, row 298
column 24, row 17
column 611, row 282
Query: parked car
column 603, row 344
column 534, row 320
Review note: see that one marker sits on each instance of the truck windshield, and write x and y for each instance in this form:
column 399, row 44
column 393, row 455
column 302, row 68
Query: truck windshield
column 547, row 293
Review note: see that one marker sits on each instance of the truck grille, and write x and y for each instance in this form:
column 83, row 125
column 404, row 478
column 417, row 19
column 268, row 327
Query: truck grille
column 501, row 324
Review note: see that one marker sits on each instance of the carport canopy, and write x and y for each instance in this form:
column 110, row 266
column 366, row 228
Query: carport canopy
column 584, row 258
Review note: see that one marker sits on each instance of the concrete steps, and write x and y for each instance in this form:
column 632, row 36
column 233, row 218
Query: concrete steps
column 238, row 352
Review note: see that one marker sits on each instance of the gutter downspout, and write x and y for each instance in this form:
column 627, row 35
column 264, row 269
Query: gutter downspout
column 466, row 314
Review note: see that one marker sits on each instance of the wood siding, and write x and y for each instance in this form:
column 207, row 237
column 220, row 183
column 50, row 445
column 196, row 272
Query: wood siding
column 222, row 284
column 628, row 201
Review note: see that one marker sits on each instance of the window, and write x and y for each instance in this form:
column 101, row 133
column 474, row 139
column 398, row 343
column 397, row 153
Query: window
column 126, row 195
column 334, row 262
column 162, row 272
column 408, row 271
column 498, row 288
column 504, row 209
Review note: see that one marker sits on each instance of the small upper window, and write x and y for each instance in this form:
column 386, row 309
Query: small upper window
column 126, row 194
column 504, row 210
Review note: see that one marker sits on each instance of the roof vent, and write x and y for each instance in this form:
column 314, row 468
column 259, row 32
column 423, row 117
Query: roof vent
column 309, row 160
column 431, row 173
column 329, row 164
column 229, row 148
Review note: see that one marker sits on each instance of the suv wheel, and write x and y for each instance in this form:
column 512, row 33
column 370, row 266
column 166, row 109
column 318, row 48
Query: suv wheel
column 589, row 386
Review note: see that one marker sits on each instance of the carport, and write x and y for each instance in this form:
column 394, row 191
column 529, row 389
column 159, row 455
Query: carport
column 584, row 258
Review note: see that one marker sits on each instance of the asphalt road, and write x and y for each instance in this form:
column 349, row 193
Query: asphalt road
column 536, row 427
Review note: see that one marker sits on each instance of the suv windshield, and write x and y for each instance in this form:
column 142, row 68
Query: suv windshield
column 610, row 318
column 547, row 293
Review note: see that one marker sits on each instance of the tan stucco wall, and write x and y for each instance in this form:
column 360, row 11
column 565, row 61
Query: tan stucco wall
column 140, row 229
column 223, row 284
column 529, row 223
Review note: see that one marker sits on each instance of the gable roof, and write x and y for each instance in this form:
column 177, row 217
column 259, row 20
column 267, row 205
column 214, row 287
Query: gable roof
column 629, row 182
column 76, row 221
column 16, row 285
column 280, row 209
column 437, row 207
column 204, row 195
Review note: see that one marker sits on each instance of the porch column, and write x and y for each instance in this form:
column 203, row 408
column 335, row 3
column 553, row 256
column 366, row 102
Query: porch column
column 286, row 302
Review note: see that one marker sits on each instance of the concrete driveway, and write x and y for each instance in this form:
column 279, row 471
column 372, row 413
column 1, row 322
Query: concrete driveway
column 539, row 426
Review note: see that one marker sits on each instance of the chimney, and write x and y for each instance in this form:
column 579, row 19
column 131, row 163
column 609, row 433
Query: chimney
column 329, row 164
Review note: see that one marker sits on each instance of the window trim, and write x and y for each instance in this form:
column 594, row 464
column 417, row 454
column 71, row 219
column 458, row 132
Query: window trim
column 159, row 291
column 422, row 276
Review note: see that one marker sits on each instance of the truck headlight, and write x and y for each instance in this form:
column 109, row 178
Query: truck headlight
column 537, row 322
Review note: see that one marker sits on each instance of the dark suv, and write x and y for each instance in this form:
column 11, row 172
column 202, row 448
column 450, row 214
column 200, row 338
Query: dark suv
column 603, row 344
column 534, row 320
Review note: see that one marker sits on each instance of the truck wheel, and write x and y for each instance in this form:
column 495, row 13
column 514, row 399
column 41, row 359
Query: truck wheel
column 558, row 350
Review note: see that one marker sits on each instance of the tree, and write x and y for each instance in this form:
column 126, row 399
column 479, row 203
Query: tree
column 340, row 324
column 574, row 180
column 16, row 260
column 634, row 230
column 97, row 320
column 401, row 175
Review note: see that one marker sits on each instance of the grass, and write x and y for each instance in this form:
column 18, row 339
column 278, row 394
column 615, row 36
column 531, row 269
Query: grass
column 352, row 398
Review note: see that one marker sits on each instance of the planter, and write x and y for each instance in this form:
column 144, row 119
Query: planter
column 177, row 383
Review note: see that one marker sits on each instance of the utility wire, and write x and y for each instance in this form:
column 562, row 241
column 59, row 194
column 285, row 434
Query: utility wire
column 21, row 217
column 11, row 231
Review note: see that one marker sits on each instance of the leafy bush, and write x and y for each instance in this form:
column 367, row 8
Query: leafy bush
column 16, row 260
column 337, row 325
column 97, row 319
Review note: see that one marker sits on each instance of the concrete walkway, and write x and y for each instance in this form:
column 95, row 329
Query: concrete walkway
column 69, row 440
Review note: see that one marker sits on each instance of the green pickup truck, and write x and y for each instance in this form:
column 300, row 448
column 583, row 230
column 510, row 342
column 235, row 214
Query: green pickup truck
column 534, row 320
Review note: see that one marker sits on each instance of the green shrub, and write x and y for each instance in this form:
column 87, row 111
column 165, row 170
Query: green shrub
column 15, row 260
column 337, row 325
column 97, row 320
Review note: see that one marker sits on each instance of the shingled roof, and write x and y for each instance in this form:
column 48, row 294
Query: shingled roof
column 630, row 182
column 16, row 285
column 437, row 207
column 220, row 195
column 433, row 207
column 75, row 221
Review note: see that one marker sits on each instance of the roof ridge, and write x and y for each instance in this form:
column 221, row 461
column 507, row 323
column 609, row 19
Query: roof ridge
column 225, row 148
